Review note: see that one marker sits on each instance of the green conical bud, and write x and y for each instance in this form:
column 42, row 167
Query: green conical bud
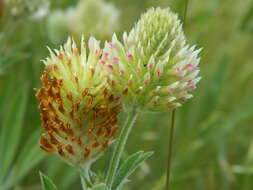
column 154, row 69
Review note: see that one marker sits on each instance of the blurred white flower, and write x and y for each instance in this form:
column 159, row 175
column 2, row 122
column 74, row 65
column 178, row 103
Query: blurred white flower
column 88, row 18
column 41, row 10
column 56, row 26
column 36, row 9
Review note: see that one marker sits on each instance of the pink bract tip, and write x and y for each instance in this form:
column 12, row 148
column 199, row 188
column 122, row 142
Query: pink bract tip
column 102, row 63
column 115, row 60
column 191, row 67
column 111, row 45
column 159, row 74
column 106, row 55
column 151, row 66
column 130, row 57
column 98, row 53
column 110, row 67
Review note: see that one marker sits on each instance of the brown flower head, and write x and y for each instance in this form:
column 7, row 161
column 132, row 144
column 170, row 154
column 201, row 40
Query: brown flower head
column 78, row 112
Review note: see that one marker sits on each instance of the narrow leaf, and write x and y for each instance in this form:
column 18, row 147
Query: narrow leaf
column 14, row 55
column 129, row 166
column 11, row 130
column 30, row 155
column 247, row 24
column 101, row 186
column 47, row 183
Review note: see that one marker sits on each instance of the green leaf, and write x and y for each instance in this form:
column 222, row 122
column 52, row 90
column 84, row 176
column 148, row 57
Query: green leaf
column 128, row 167
column 11, row 130
column 30, row 155
column 6, row 94
column 55, row 168
column 247, row 24
column 101, row 186
column 15, row 54
column 47, row 183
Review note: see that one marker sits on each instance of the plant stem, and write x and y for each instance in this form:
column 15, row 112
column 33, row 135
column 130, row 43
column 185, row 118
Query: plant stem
column 85, row 178
column 185, row 12
column 173, row 118
column 170, row 149
column 120, row 145
column 83, row 183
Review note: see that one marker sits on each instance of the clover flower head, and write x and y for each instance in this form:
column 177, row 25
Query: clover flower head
column 96, row 18
column 78, row 111
column 154, row 69
column 88, row 18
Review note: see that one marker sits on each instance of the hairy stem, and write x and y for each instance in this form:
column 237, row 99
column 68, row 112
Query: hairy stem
column 120, row 145
column 170, row 149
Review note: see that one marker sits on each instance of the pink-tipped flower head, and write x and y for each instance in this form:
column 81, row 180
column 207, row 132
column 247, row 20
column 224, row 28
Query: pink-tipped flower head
column 155, row 69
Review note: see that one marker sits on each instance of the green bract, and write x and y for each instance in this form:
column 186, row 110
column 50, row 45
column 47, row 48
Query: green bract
column 154, row 69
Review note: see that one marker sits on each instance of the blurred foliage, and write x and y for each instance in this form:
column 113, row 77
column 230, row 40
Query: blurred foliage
column 213, row 147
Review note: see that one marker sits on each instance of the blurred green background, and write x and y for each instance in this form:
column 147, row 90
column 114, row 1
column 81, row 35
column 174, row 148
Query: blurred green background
column 213, row 144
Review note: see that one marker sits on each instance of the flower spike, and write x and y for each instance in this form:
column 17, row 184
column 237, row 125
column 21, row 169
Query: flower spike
column 78, row 111
column 161, row 67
